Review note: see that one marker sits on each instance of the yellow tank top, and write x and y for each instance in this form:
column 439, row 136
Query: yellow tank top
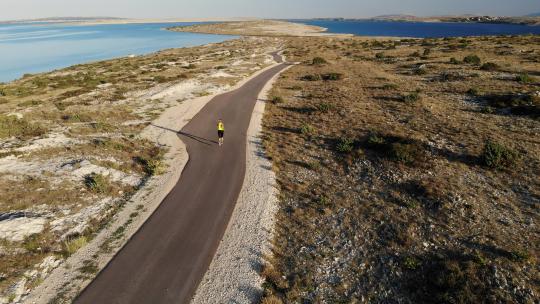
column 220, row 127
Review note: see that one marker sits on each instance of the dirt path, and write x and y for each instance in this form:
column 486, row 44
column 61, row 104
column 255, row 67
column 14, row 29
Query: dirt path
column 166, row 259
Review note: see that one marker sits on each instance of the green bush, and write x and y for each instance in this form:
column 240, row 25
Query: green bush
column 152, row 166
column 472, row 59
column 473, row 92
column 311, row 77
column 318, row 61
column 73, row 245
column 96, row 183
column 3, row 92
column 379, row 56
column 524, row 78
column 489, row 66
column 411, row 263
column 332, row 76
column 411, row 98
column 277, row 99
column 307, row 129
column 454, row 61
column 407, row 152
column 324, row 107
column 420, row 71
column 497, row 156
column 519, row 255
column 389, row 86
column 345, row 145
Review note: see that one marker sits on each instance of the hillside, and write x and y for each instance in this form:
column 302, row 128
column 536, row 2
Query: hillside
column 409, row 171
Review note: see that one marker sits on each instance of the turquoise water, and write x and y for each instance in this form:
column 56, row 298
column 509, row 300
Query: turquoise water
column 422, row 29
column 30, row 48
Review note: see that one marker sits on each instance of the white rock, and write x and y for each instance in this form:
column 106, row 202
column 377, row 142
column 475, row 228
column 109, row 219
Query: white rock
column 18, row 229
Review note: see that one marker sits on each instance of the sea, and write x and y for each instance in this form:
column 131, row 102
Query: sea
column 422, row 29
column 34, row 48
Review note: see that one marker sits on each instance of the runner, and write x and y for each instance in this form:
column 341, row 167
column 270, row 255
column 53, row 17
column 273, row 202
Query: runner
column 221, row 131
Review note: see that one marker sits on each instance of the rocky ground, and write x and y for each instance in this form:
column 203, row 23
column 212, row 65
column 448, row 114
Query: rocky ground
column 71, row 152
column 408, row 171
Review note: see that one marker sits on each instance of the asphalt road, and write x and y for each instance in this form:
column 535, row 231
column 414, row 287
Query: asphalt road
column 167, row 258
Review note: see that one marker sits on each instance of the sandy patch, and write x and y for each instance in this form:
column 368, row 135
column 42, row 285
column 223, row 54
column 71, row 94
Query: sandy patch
column 233, row 275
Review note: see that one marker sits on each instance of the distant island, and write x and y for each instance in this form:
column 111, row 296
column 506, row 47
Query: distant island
column 533, row 19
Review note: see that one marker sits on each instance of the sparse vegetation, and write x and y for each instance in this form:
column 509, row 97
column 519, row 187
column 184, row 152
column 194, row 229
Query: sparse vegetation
column 524, row 78
column 380, row 203
column 489, row 66
column 318, row 61
column 497, row 156
column 472, row 59
column 411, row 97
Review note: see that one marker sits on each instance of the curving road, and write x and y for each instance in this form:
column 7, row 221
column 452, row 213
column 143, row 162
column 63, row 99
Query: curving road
column 166, row 259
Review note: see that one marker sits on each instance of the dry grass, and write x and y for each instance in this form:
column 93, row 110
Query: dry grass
column 392, row 167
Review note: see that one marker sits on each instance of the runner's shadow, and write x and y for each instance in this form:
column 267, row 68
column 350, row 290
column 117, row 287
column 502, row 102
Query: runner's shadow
column 202, row 140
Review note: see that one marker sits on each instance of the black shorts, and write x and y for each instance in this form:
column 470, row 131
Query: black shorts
column 220, row 133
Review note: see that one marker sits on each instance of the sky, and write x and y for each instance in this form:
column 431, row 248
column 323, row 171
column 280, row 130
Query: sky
column 29, row 9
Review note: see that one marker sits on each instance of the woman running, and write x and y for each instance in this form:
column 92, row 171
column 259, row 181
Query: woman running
column 220, row 131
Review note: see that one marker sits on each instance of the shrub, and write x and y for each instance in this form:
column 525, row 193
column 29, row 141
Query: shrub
column 318, row 61
column 519, row 255
column 407, row 152
column 454, row 61
column 427, row 52
column 311, row 77
column 3, row 92
column 375, row 140
column 497, row 156
column 96, row 183
column 420, row 71
column 415, row 54
column 152, row 166
column 389, row 86
column 448, row 76
column 344, row 145
column 489, row 66
column 30, row 103
column 472, row 59
column 411, row 98
column 411, row 263
column 332, row 76
column 73, row 245
column 307, row 129
column 379, row 55
column 524, row 78
column 13, row 126
column 277, row 99
column 473, row 92
column 324, row 107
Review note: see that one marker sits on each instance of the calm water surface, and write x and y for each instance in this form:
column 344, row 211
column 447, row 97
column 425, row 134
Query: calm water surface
column 31, row 48
column 422, row 29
